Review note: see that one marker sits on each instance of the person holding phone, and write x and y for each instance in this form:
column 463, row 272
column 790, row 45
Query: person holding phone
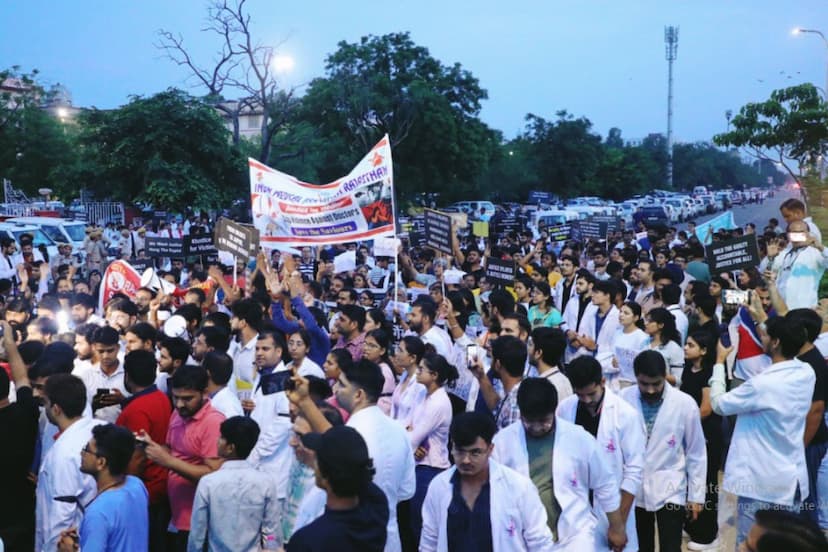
column 799, row 267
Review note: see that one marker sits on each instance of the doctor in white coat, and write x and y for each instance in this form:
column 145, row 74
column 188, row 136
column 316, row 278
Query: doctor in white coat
column 574, row 319
column 479, row 491
column 598, row 329
column 675, row 467
column 539, row 442
column 619, row 430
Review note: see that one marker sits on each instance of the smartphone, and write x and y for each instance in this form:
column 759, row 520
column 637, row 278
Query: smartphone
column 471, row 355
column 724, row 335
column 798, row 237
column 735, row 296
column 102, row 391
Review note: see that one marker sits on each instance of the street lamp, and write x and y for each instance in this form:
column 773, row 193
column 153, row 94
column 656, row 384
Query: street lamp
column 283, row 64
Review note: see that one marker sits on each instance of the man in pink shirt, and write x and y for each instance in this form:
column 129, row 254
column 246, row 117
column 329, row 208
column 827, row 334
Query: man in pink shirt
column 192, row 447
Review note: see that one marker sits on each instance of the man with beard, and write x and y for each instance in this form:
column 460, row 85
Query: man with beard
column 546, row 350
column 565, row 288
column 82, row 310
column 245, row 322
column 8, row 270
column 141, row 336
column 349, row 326
column 675, row 461
column 17, row 315
column 479, row 504
column 421, row 320
column 357, row 390
column 799, row 267
column 84, row 353
column 104, row 382
column 565, row 465
column 143, row 297
column 618, row 429
column 62, row 489
column 172, row 355
column 121, row 315
column 192, row 441
column 209, row 339
column 577, row 310
column 646, row 297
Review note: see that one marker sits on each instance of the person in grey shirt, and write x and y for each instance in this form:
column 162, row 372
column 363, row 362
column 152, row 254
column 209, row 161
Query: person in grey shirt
column 233, row 510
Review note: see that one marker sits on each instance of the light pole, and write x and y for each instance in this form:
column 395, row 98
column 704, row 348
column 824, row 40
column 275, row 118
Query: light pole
column 797, row 31
column 670, row 51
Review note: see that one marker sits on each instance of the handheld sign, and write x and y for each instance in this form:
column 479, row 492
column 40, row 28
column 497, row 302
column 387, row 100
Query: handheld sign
column 164, row 247
column 558, row 233
column 500, row 272
column 237, row 239
column 199, row 244
column 438, row 231
column 588, row 229
column 735, row 254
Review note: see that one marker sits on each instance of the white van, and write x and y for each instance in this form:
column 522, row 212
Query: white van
column 698, row 190
column 473, row 209
column 14, row 230
column 59, row 230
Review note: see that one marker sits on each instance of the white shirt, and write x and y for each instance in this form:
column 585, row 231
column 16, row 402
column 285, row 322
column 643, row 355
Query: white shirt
column 243, row 359
column 389, row 448
column 577, row 467
column 625, row 347
column 766, row 460
column 407, row 395
column 430, row 423
column 309, row 368
column 95, row 379
column 60, row 475
column 560, row 381
column 821, row 344
column 438, row 338
column 517, row 514
column 682, row 323
column 226, row 402
column 272, row 453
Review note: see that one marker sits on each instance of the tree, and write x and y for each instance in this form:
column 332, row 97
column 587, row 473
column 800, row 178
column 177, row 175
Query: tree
column 170, row 150
column 388, row 84
column 242, row 67
column 790, row 128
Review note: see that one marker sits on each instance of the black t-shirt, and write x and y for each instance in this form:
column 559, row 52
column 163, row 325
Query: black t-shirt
column 18, row 433
column 586, row 420
column 693, row 383
column 362, row 529
column 817, row 362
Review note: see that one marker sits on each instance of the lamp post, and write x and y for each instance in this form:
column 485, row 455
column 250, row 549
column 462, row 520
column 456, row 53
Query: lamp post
column 797, row 31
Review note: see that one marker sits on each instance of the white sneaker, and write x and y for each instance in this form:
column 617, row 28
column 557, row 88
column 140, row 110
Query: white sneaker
column 685, row 534
column 711, row 546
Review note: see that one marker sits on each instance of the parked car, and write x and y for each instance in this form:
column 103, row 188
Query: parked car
column 14, row 230
column 59, row 230
column 653, row 216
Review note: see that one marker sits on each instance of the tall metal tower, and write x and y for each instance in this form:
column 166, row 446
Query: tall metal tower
column 671, row 35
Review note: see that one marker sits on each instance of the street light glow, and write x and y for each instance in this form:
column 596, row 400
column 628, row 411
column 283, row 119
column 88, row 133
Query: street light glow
column 283, row 64
column 62, row 112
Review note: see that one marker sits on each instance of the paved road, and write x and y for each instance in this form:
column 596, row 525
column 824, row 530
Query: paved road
column 757, row 213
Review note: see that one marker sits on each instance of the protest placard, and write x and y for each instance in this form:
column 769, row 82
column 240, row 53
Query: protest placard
column 558, row 232
column 588, row 229
column 386, row 247
column 164, row 247
column 480, row 229
column 735, row 254
column 199, row 244
column 438, row 231
column 500, row 272
column 236, row 239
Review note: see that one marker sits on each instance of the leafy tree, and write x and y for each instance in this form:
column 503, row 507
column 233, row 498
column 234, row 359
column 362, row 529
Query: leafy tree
column 388, row 84
column 169, row 149
column 790, row 128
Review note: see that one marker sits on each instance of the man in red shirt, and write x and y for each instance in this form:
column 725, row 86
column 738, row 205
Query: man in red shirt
column 192, row 447
column 147, row 411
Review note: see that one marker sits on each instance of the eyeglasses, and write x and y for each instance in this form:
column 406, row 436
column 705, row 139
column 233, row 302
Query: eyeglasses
column 474, row 454
column 86, row 450
column 370, row 345
column 295, row 343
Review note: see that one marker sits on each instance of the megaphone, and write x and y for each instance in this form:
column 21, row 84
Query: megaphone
column 151, row 280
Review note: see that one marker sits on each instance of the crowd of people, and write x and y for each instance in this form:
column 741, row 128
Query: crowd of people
column 416, row 403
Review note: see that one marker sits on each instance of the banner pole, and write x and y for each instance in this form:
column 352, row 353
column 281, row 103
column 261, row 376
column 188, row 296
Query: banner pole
column 235, row 271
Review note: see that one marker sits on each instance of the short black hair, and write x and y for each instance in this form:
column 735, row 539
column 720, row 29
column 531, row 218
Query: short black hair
column 651, row 364
column 467, row 427
column 810, row 320
column 241, row 432
column 706, row 303
column 784, row 530
column 68, row 392
column 367, row 376
column 83, row 299
column 437, row 363
column 49, row 303
column 216, row 337
column 537, row 398
column 791, row 333
column 190, row 377
column 355, row 313
column 277, row 337
column 551, row 342
column 248, row 310
column 125, row 306
column 511, row 352
column 604, row 286
column 144, row 331
column 217, row 319
column 190, row 313
column 106, row 335
column 671, row 294
column 583, row 371
column 523, row 322
column 46, row 326
column 116, row 444
column 30, row 351
column 502, row 300
column 202, row 297
column 140, row 366
column 178, row 348
column 219, row 366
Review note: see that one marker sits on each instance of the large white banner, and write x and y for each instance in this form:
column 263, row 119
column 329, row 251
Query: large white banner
column 358, row 206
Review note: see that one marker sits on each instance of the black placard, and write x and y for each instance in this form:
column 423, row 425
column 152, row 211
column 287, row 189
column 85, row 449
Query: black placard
column 199, row 244
column 438, row 231
column 237, row 239
column 140, row 265
column 734, row 254
column 500, row 272
column 164, row 247
column 614, row 224
column 588, row 229
column 558, row 232
column 536, row 196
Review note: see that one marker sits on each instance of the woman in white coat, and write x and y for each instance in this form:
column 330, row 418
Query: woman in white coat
column 479, row 489
column 675, row 462
column 577, row 467
column 620, row 436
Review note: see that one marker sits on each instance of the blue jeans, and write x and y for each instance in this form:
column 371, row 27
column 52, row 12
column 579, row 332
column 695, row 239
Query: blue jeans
column 746, row 509
column 815, row 504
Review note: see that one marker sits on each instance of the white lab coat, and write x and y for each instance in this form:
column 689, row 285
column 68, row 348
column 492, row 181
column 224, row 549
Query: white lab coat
column 558, row 293
column 272, row 453
column 517, row 514
column 393, row 458
column 60, row 475
column 570, row 322
column 577, row 467
column 227, row 402
column 622, row 440
column 675, row 463
column 603, row 353
column 766, row 460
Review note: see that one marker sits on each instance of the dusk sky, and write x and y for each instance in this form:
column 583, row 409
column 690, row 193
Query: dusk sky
column 603, row 60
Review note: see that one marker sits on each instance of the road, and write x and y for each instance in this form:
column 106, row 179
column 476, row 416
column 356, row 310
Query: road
column 757, row 213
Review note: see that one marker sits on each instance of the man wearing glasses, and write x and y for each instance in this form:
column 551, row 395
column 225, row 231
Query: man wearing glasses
column 479, row 504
